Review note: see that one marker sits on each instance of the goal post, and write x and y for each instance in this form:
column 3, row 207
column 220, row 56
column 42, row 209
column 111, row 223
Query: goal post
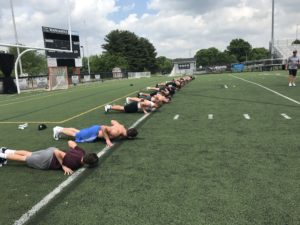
column 58, row 78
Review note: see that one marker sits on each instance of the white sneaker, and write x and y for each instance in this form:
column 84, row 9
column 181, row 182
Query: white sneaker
column 56, row 132
column 294, row 84
column 107, row 108
column 128, row 100
column 290, row 84
column 148, row 88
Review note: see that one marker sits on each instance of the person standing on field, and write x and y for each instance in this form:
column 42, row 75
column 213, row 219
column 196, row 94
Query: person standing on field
column 292, row 65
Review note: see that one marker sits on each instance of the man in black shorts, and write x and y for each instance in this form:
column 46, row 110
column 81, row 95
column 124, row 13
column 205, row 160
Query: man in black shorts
column 133, row 107
column 292, row 65
column 51, row 158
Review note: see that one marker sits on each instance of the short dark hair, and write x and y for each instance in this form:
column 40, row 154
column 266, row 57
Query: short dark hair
column 132, row 132
column 91, row 159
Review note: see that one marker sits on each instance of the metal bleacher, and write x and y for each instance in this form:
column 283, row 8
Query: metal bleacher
column 284, row 48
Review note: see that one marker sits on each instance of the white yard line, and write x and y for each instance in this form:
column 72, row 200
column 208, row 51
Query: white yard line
column 176, row 117
column 36, row 208
column 210, row 116
column 247, row 117
column 275, row 92
column 285, row 116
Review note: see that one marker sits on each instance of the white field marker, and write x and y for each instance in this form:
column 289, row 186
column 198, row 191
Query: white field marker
column 176, row 117
column 210, row 116
column 285, row 116
column 225, row 86
column 247, row 117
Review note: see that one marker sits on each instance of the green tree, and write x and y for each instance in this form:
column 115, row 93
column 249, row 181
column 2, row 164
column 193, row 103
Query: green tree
column 33, row 63
column 206, row 57
column 213, row 57
column 259, row 53
column 139, row 53
column 240, row 49
column 296, row 42
column 164, row 65
column 106, row 62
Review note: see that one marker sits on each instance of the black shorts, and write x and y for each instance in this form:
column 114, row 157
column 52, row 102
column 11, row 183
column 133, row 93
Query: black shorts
column 146, row 97
column 131, row 107
column 153, row 93
column 293, row 72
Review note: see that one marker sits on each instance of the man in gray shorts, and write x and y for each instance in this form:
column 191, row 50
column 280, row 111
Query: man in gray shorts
column 51, row 158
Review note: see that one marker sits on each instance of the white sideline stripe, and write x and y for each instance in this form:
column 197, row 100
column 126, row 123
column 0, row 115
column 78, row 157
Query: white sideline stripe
column 225, row 86
column 210, row 116
column 286, row 116
column 247, row 117
column 176, row 117
column 26, row 216
column 275, row 92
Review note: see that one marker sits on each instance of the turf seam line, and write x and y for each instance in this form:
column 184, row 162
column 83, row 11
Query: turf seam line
column 46, row 200
column 269, row 89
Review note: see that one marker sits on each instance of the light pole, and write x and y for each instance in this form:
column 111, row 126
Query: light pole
column 272, row 32
column 16, row 35
column 82, row 56
column 297, row 31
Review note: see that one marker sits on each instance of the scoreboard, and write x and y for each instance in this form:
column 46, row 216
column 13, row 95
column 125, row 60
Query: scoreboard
column 60, row 39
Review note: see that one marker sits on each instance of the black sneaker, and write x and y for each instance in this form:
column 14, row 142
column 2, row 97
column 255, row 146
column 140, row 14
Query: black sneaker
column 3, row 149
column 2, row 160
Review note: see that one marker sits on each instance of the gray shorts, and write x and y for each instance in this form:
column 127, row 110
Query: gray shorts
column 41, row 159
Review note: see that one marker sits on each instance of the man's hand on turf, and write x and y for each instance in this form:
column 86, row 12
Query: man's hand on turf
column 67, row 170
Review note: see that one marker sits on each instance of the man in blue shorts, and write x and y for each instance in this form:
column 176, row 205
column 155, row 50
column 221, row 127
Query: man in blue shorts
column 51, row 158
column 94, row 132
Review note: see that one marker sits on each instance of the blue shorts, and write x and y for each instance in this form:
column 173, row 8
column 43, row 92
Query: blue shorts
column 89, row 134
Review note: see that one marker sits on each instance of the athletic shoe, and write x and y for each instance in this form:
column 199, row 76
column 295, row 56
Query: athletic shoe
column 290, row 85
column 3, row 149
column 3, row 162
column 294, row 84
column 107, row 108
column 56, row 132
column 128, row 100
column 148, row 88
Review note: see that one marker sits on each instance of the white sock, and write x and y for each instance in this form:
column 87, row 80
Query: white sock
column 2, row 155
column 10, row 151
column 7, row 152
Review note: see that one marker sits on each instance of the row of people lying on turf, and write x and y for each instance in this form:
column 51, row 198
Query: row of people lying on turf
column 54, row 158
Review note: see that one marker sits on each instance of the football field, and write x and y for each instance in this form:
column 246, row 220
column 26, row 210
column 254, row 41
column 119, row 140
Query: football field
column 226, row 150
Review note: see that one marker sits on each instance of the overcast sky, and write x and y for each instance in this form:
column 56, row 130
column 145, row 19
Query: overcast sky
column 177, row 28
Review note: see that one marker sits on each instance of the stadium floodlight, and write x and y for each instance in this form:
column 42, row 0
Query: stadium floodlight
column 272, row 32
column 33, row 48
